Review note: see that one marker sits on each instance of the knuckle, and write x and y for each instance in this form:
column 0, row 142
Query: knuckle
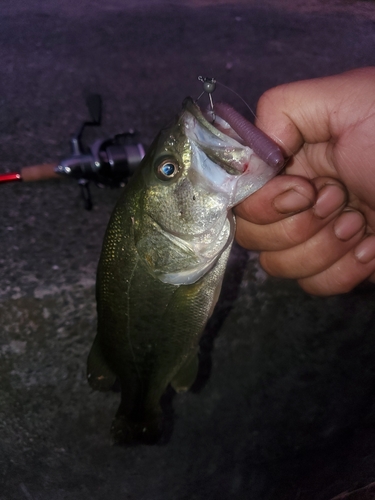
column 268, row 98
column 292, row 232
column 327, row 283
column 268, row 264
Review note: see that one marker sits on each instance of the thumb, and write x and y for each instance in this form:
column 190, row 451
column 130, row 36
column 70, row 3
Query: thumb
column 292, row 115
column 313, row 111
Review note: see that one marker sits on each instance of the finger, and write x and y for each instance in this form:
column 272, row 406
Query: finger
column 282, row 196
column 294, row 230
column 287, row 113
column 315, row 112
column 314, row 160
column 311, row 110
column 345, row 274
column 319, row 252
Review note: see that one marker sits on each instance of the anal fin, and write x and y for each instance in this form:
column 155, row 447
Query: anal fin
column 186, row 375
column 99, row 374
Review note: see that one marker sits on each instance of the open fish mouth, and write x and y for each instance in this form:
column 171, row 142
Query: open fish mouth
column 227, row 153
column 230, row 123
column 216, row 138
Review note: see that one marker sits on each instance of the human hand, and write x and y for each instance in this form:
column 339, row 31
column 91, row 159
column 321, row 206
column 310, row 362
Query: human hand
column 317, row 223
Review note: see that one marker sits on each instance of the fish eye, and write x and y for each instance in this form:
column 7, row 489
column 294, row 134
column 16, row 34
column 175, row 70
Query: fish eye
column 167, row 170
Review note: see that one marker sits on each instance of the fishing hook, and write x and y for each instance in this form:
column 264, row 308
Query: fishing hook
column 209, row 85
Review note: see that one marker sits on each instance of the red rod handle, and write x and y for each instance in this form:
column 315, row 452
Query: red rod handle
column 10, row 177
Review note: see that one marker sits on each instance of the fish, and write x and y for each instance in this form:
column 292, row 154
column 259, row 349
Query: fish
column 162, row 263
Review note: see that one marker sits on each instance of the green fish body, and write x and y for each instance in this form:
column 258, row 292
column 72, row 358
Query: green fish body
column 162, row 264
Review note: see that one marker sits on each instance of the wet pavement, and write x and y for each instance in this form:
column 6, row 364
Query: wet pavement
column 283, row 407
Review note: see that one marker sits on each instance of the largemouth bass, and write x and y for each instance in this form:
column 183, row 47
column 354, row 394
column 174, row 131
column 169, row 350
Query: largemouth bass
column 162, row 264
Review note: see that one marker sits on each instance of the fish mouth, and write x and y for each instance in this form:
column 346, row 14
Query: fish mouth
column 213, row 122
column 216, row 138
column 223, row 157
column 227, row 121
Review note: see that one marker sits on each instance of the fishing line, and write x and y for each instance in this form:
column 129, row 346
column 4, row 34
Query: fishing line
column 209, row 85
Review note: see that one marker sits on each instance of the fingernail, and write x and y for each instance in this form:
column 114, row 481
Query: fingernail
column 348, row 224
column 330, row 198
column 291, row 202
column 365, row 251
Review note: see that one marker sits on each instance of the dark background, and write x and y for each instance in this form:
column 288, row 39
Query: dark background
column 283, row 408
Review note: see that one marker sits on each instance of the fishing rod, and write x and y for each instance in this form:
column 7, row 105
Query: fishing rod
column 106, row 162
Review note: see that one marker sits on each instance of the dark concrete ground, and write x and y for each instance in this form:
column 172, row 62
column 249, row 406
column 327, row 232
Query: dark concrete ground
column 286, row 411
